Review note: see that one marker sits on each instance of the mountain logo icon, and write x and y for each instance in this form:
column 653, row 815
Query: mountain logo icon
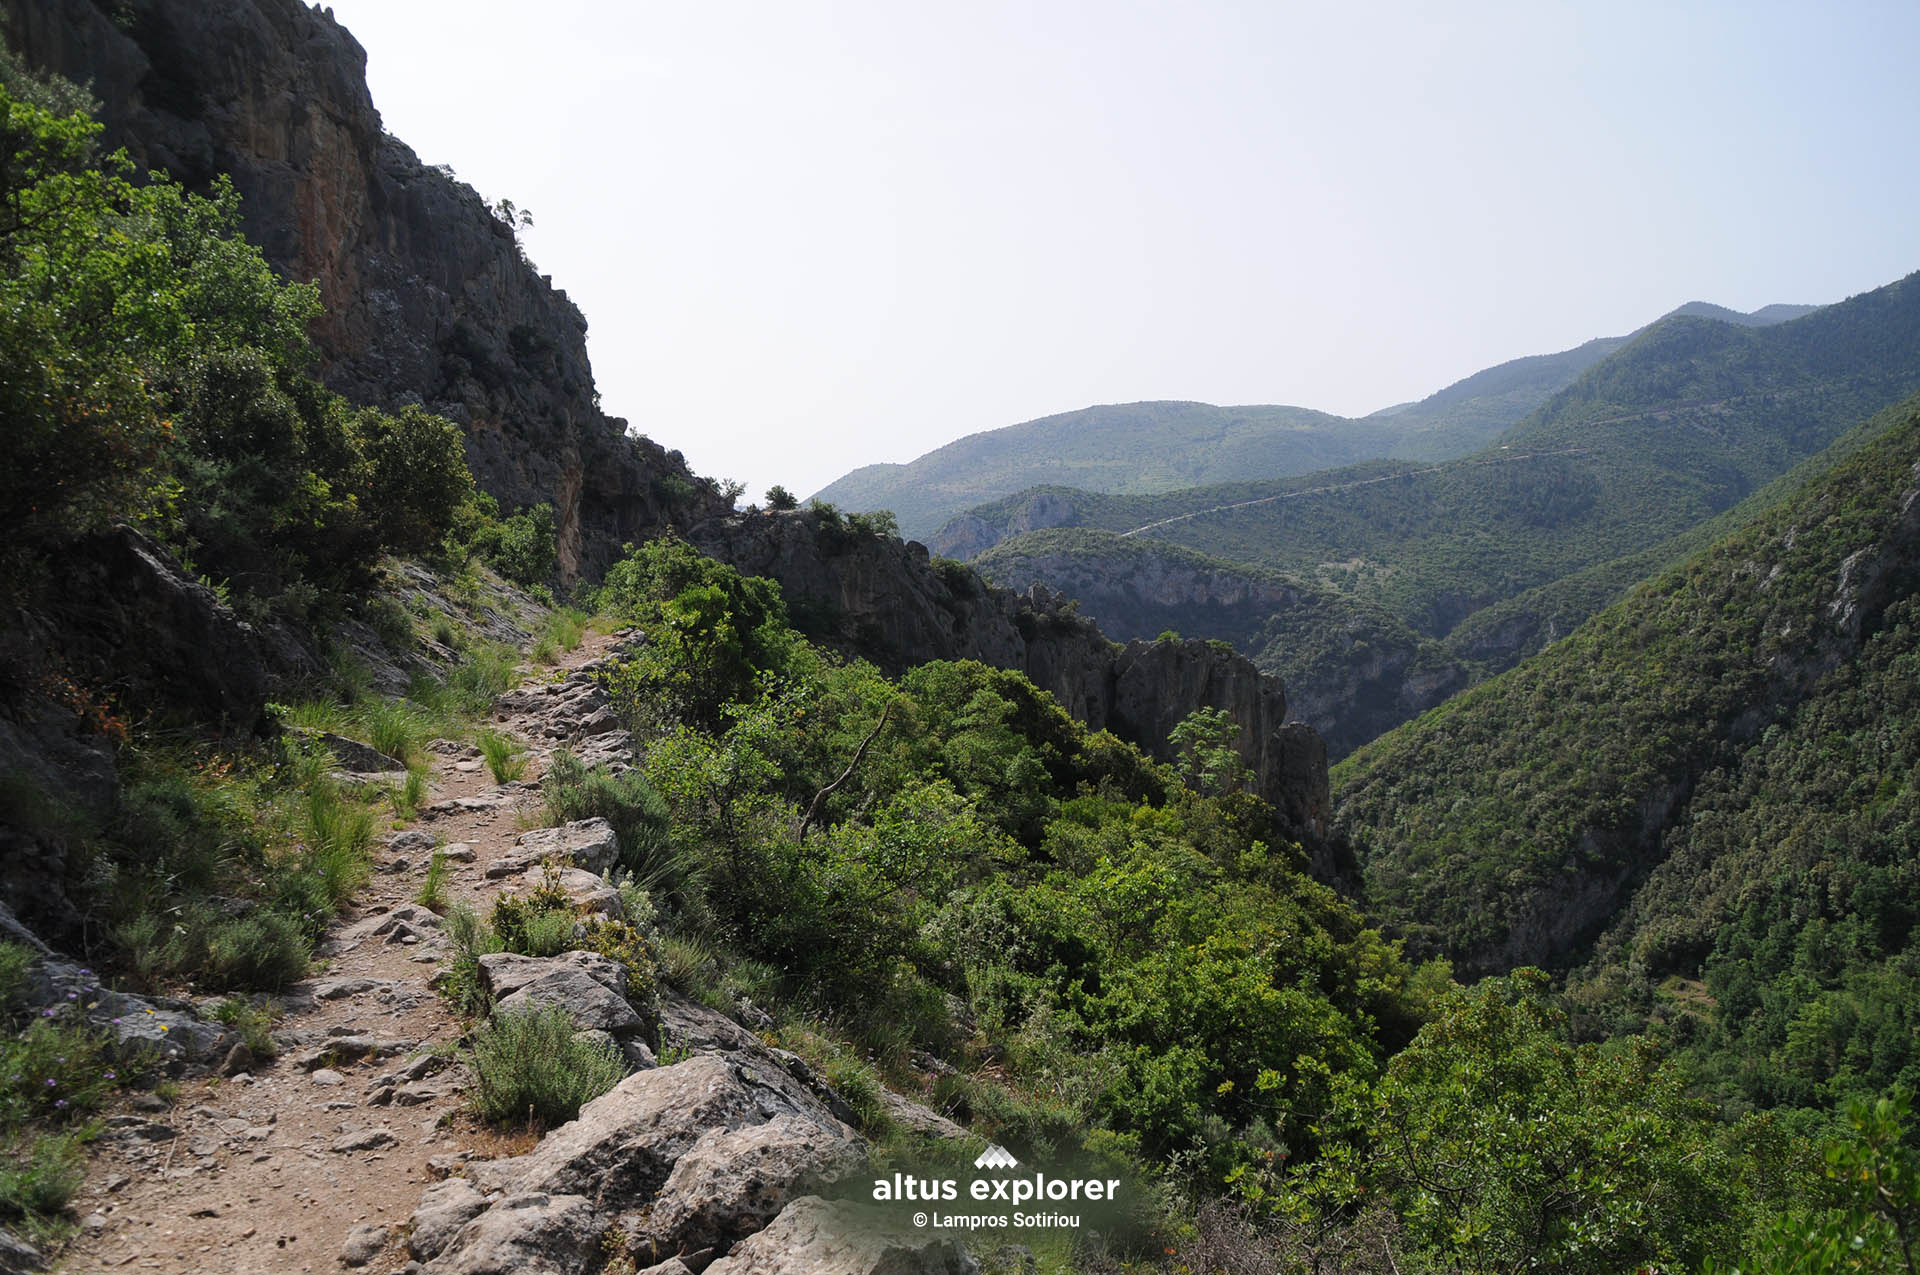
column 996, row 1157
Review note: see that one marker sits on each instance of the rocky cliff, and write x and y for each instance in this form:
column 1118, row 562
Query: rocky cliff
column 429, row 299
column 428, row 296
column 892, row 602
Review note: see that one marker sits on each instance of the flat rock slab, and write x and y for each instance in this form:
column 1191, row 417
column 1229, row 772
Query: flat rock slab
column 584, row 843
column 505, row 973
column 813, row 1237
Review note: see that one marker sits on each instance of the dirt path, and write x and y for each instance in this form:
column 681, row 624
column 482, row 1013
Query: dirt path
column 269, row 1172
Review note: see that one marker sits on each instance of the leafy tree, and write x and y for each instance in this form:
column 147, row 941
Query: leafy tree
column 1507, row 1147
column 780, row 498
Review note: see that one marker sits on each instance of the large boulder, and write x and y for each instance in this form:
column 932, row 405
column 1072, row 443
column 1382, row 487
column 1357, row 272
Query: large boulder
column 444, row 1208
column 813, row 1237
column 625, row 1143
column 732, row 1182
column 526, row 1234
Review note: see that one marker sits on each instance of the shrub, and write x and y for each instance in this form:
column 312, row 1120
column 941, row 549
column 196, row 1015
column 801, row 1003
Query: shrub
column 39, row 1181
column 264, row 950
column 253, row 1022
column 538, row 923
column 532, row 1065
column 780, row 498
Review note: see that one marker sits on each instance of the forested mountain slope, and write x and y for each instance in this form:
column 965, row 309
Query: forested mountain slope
column 1680, row 425
column 1714, row 779
column 1166, row 446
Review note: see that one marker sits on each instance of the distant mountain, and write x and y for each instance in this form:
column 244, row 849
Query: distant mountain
column 1677, row 426
column 1166, row 446
column 1709, row 794
column 1128, row 447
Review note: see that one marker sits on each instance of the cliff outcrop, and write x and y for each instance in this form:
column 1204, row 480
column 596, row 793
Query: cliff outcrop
column 892, row 602
column 428, row 296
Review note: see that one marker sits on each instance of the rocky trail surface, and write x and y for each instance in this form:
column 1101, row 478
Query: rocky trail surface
column 354, row 1148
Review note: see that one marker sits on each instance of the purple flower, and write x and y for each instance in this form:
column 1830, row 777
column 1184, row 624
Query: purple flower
column 73, row 996
column 61, row 1103
column 116, row 1022
column 46, row 1013
column 51, row 1082
column 111, row 1076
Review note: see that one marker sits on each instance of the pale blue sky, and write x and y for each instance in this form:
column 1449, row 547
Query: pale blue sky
column 810, row 236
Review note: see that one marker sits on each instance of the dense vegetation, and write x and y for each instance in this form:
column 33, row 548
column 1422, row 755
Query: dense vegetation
column 1713, row 778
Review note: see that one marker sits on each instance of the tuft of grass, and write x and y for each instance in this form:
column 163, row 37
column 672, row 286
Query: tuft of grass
column 15, row 959
column 433, row 891
column 470, row 939
column 253, row 1022
column 533, row 1066
column 688, row 965
column 39, row 1175
column 505, row 760
column 396, row 729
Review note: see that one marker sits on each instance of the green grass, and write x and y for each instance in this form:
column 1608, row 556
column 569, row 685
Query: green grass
column 506, row 759
column 433, row 890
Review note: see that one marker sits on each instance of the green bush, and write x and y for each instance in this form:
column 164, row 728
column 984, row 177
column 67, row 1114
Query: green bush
column 265, row 951
column 531, row 1065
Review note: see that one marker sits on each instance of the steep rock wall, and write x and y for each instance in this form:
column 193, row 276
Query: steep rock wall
column 428, row 297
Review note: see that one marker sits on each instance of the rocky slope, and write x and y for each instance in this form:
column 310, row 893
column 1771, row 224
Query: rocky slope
column 428, row 296
column 1351, row 671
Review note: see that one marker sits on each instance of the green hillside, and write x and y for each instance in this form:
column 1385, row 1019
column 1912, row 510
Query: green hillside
column 1137, row 447
column 1678, row 426
column 1709, row 792
column 1167, row 446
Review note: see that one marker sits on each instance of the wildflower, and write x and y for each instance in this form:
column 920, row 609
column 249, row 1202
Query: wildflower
column 46, row 1013
column 116, row 1022
column 93, row 1004
column 61, row 1103
column 110, row 1076
column 163, row 1027
column 73, row 996
column 52, row 1083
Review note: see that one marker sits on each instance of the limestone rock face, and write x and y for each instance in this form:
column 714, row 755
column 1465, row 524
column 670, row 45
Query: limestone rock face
column 813, row 1237
column 528, row 1234
column 732, row 1182
column 428, row 297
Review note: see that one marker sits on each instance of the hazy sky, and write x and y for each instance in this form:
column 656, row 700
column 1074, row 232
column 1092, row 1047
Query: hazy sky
column 811, row 236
